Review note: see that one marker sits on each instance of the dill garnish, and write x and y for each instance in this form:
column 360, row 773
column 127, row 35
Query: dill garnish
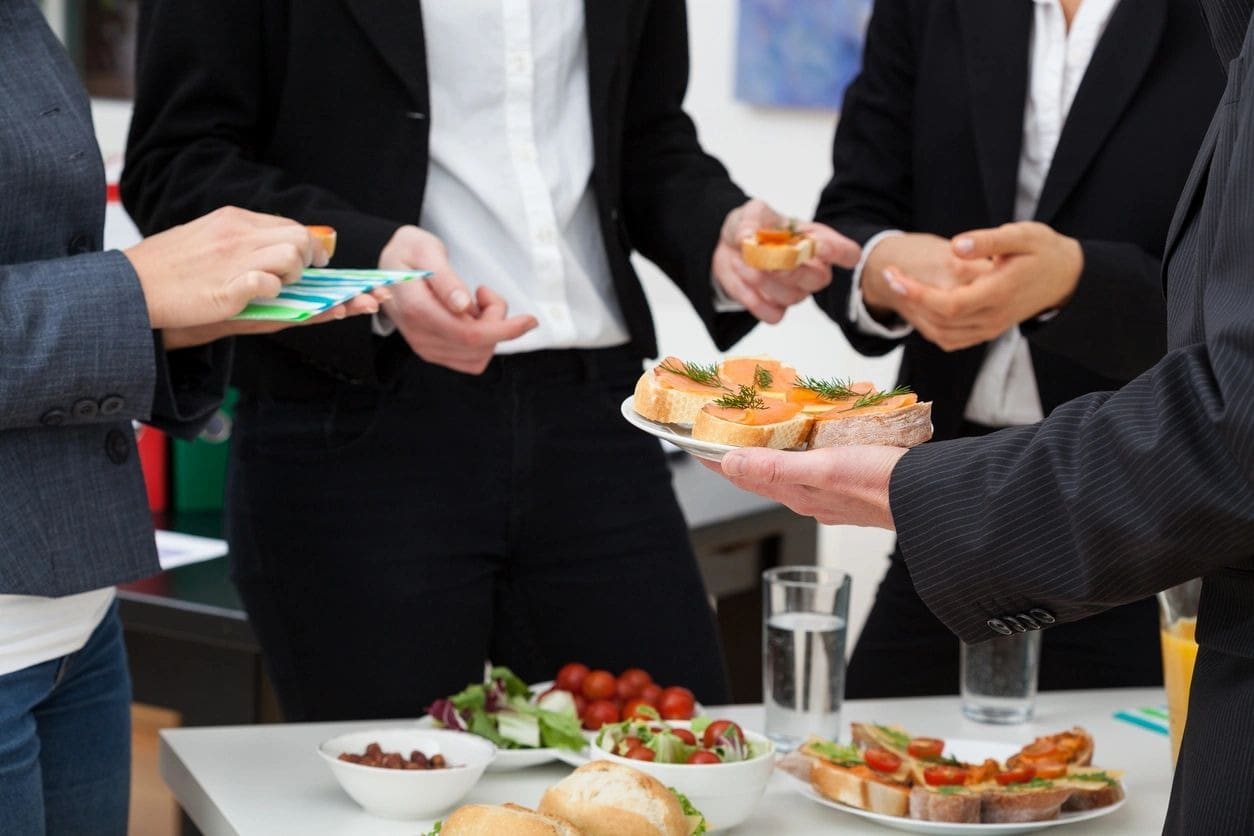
column 705, row 375
column 746, row 397
column 878, row 397
column 834, row 389
column 762, row 378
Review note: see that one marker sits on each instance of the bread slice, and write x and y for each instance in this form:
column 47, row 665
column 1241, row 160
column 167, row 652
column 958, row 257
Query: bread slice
column 907, row 426
column 785, row 256
column 1072, row 747
column 608, row 799
column 670, row 398
column 1004, row 805
column 860, row 787
column 957, row 805
column 1091, row 788
column 491, row 820
column 781, row 435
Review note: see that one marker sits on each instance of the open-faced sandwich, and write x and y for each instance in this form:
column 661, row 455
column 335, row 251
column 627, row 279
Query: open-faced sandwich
column 673, row 392
column 777, row 249
column 847, row 413
column 745, row 418
column 770, row 377
column 885, row 770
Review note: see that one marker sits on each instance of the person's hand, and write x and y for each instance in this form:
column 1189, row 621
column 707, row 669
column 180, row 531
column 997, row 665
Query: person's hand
column 440, row 319
column 835, row 485
column 1034, row 270
column 176, row 338
column 926, row 257
column 206, row 271
column 768, row 294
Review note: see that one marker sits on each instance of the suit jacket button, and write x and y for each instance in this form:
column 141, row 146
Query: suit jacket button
column 80, row 244
column 117, row 447
column 85, row 410
column 999, row 626
column 1043, row 616
column 1014, row 622
column 1032, row 623
column 112, row 405
column 53, row 418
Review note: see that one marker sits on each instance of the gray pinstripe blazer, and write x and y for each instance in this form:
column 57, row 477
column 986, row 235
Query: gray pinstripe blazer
column 1118, row 495
column 77, row 356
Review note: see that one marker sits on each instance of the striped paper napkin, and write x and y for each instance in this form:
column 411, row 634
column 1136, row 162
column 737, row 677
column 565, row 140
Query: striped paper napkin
column 1154, row 718
column 320, row 290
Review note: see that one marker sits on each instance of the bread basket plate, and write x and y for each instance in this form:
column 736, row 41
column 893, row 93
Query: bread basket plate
column 678, row 435
column 965, row 750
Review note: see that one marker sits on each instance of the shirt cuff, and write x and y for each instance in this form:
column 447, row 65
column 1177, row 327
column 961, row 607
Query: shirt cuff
column 858, row 313
column 382, row 325
column 722, row 302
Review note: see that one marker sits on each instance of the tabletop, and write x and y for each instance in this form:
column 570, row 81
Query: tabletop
column 246, row 780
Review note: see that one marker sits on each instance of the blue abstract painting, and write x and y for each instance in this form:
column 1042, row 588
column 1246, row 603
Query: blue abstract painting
column 799, row 53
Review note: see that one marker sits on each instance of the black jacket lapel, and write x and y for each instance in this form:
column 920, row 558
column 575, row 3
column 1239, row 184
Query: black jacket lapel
column 395, row 29
column 995, row 37
column 1114, row 74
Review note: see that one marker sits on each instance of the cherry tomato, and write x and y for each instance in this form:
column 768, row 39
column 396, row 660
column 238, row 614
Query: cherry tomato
column 945, row 776
column 600, row 713
column 703, row 756
column 570, row 677
column 641, row 753
column 624, row 691
column 627, row 744
column 925, row 748
column 581, row 704
column 721, row 728
column 631, row 711
column 676, row 704
column 599, row 685
column 882, row 760
column 636, row 678
column 686, row 736
column 1050, row 770
column 652, row 694
column 1019, row 775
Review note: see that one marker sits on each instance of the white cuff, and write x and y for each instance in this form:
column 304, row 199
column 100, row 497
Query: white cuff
column 382, row 325
column 722, row 302
column 858, row 312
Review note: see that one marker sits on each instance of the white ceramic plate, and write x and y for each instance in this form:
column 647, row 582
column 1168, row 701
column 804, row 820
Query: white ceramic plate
column 964, row 750
column 676, row 434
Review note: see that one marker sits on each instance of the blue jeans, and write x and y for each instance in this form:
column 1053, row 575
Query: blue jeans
column 65, row 742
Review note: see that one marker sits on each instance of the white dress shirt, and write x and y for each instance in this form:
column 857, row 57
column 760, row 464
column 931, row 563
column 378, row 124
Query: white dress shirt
column 509, row 186
column 1005, row 392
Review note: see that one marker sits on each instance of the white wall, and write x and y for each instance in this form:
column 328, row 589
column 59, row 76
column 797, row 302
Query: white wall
column 778, row 155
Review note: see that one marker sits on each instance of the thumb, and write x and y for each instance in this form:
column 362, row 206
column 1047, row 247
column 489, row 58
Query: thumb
column 756, row 465
column 1008, row 239
column 450, row 289
column 831, row 247
column 255, row 284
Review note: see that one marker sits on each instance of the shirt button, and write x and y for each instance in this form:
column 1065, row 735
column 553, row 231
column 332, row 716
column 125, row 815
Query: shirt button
column 80, row 244
column 85, row 409
column 53, row 418
column 1014, row 622
column 117, row 447
column 525, row 151
column 1032, row 623
column 999, row 626
column 519, row 64
column 112, row 404
column 1043, row 616
column 546, row 235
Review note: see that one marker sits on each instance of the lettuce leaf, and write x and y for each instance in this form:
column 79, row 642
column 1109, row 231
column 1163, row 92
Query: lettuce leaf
column 841, row 754
column 697, row 824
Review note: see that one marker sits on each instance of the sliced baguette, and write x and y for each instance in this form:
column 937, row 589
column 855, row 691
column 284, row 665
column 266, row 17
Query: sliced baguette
column 958, row 806
column 858, row 787
column 1089, row 792
column 905, row 427
column 667, row 404
column 780, row 436
column 786, row 256
column 1010, row 806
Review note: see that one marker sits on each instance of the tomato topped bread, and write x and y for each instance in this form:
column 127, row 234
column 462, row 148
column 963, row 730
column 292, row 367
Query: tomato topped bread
column 839, row 772
column 673, row 392
column 747, row 419
column 777, row 249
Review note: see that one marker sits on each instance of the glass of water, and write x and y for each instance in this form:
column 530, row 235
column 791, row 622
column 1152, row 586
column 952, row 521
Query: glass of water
column 999, row 678
column 804, row 611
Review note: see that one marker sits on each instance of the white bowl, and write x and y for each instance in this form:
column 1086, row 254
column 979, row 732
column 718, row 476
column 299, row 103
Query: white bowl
column 725, row 793
column 409, row 793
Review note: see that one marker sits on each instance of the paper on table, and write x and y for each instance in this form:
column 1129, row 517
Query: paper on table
column 175, row 549
column 320, row 290
column 1153, row 719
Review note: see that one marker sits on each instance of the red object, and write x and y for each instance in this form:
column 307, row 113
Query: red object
column 154, row 459
column 676, row 703
column 570, row 677
column 882, row 760
column 945, row 776
column 703, row 756
column 599, row 685
column 599, row 714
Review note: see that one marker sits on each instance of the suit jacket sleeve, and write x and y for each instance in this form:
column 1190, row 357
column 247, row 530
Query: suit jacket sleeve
column 675, row 196
column 872, row 177
column 1116, row 322
column 198, row 129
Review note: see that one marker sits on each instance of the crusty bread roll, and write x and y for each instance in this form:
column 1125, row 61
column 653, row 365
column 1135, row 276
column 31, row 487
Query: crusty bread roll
column 856, row 787
column 932, row 805
column 905, row 427
column 780, row 436
column 504, row 820
column 786, row 256
column 608, row 799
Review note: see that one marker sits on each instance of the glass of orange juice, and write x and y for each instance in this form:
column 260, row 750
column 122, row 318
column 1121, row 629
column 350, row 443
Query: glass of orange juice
column 1177, row 618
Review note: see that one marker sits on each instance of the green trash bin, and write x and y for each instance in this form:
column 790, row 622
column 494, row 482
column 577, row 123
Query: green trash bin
column 200, row 466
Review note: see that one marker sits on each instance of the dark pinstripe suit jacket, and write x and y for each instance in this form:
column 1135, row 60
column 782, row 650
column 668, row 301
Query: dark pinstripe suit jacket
column 77, row 356
column 1117, row 495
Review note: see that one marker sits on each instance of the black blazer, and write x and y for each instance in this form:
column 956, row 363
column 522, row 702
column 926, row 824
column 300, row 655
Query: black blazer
column 929, row 141
column 1117, row 495
column 319, row 110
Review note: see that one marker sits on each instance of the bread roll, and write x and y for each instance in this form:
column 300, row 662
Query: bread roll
column 608, row 799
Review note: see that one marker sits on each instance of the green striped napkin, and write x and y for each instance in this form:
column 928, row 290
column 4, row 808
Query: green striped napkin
column 320, row 290
column 1153, row 718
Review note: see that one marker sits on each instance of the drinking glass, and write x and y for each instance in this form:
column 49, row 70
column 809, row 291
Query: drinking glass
column 999, row 678
column 805, row 611
column 1177, row 620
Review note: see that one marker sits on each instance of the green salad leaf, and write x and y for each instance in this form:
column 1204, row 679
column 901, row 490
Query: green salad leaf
column 700, row 724
column 696, row 821
column 842, row 754
column 435, row 831
column 897, row 737
column 1094, row 776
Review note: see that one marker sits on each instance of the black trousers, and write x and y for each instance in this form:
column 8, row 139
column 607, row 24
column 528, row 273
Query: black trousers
column 386, row 541
column 906, row 651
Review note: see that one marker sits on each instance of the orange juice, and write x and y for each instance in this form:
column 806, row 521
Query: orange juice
column 1179, row 656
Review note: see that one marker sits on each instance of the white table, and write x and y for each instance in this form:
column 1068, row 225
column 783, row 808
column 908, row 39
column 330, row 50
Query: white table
column 268, row 780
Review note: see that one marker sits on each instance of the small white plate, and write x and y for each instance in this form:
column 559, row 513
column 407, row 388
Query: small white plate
column 970, row 751
column 677, row 434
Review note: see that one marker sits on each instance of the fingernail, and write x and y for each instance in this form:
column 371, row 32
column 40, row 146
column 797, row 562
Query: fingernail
column 459, row 299
column 893, row 282
column 964, row 245
column 340, row 313
column 733, row 464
